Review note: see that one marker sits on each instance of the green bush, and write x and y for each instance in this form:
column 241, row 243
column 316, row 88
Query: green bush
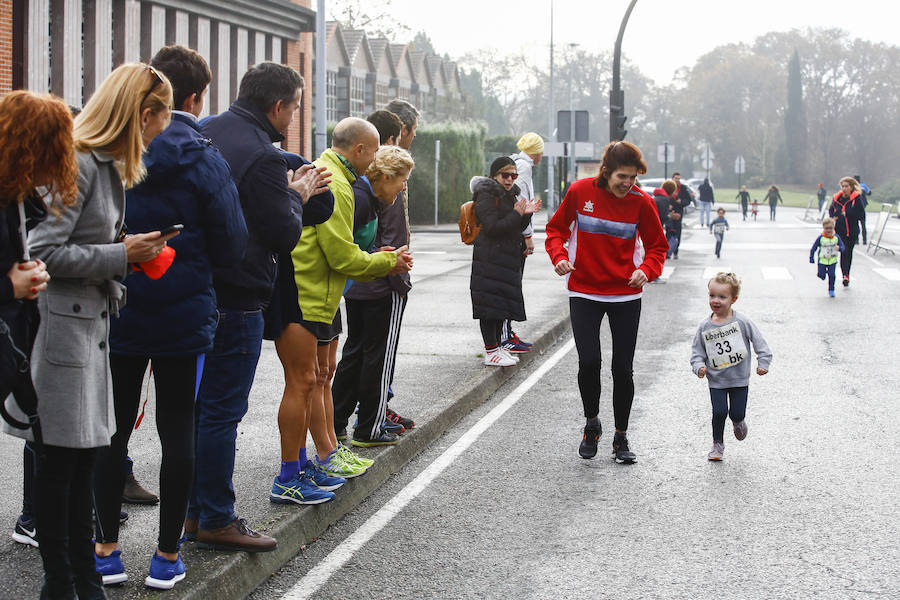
column 888, row 192
column 462, row 157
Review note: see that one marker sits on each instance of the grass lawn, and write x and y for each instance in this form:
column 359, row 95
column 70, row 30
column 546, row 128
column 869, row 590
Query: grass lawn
column 792, row 197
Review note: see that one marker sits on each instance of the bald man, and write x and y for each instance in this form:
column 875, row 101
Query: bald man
column 323, row 260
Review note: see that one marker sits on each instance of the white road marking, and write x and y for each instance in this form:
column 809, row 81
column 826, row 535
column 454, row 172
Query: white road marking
column 322, row 572
column 710, row 272
column 430, row 252
column 889, row 273
column 780, row 273
column 667, row 272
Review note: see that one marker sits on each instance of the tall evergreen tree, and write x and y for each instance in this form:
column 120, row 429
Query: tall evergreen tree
column 795, row 128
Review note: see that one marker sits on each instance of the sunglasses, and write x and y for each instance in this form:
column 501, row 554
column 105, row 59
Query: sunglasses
column 512, row 176
column 156, row 81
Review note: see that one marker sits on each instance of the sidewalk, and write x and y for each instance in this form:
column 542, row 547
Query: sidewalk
column 439, row 379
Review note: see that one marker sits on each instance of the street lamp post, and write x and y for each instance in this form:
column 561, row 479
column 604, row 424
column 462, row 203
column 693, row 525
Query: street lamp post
column 572, row 46
column 551, row 185
column 617, row 116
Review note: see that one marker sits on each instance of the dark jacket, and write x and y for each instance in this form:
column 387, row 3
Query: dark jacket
column 390, row 230
column 684, row 196
column 849, row 216
column 661, row 198
column 20, row 315
column 773, row 196
column 496, row 282
column 188, row 182
column 706, row 192
column 272, row 210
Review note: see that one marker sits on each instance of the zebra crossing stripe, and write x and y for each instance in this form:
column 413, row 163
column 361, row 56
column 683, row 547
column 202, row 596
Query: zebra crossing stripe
column 778, row 273
column 889, row 274
column 710, row 272
column 667, row 272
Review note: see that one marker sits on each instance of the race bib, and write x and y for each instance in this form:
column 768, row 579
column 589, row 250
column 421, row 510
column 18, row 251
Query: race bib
column 829, row 251
column 718, row 228
column 724, row 346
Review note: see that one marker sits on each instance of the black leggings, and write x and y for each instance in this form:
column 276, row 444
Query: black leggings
column 62, row 506
column 624, row 318
column 847, row 256
column 490, row 331
column 176, row 385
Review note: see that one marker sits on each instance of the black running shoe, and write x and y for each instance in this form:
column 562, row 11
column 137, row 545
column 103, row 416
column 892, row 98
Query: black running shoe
column 621, row 452
column 588, row 447
column 25, row 532
column 395, row 418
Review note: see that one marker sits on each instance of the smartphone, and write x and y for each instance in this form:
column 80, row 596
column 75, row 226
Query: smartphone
column 172, row 229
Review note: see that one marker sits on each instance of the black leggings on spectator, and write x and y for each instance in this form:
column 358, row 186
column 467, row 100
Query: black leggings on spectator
column 624, row 318
column 847, row 256
column 62, row 506
column 175, row 393
column 490, row 331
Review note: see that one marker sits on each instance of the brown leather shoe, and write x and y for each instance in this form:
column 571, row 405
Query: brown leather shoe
column 235, row 536
column 134, row 493
column 190, row 529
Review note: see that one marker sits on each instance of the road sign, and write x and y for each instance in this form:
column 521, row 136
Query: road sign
column 581, row 149
column 554, row 149
column 661, row 155
column 584, row 149
column 739, row 165
column 564, row 126
column 706, row 156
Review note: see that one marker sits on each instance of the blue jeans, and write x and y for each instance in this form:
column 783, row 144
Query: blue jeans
column 721, row 410
column 705, row 208
column 221, row 404
column 827, row 271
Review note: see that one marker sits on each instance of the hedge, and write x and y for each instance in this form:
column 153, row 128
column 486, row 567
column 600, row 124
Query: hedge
column 462, row 157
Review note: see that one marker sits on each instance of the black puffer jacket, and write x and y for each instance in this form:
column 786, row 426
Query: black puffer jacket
column 496, row 282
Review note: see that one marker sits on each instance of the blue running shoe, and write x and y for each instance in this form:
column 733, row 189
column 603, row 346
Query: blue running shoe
column 164, row 574
column 326, row 482
column 111, row 568
column 299, row 490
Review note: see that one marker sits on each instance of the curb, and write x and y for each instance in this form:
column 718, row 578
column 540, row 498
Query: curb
column 235, row 575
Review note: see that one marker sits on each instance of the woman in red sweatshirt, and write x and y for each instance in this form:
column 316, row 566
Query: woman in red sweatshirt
column 605, row 221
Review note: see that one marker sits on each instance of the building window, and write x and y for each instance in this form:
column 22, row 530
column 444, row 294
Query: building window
column 382, row 95
column 357, row 97
column 331, row 95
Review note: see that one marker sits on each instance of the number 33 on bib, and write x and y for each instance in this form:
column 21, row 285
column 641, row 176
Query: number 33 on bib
column 724, row 346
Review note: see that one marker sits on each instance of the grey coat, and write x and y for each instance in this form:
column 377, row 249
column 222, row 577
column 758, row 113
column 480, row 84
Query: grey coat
column 70, row 360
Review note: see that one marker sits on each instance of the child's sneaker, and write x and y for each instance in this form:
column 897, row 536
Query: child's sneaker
column 395, row 418
column 715, row 454
column 621, row 452
column 831, row 293
column 498, row 358
column 348, row 455
column 111, row 569
column 336, row 466
column 322, row 479
column 588, row 447
column 25, row 531
column 164, row 574
column 299, row 490
column 740, row 430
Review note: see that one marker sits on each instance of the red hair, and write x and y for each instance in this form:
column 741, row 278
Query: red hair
column 36, row 148
column 619, row 154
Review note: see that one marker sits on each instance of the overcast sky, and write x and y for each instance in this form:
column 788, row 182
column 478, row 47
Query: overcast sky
column 662, row 35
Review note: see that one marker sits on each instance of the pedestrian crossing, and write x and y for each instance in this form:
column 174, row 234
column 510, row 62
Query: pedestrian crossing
column 767, row 273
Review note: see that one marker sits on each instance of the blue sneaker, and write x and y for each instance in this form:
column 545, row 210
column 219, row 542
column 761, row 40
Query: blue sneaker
column 326, row 482
column 111, row 568
column 299, row 490
column 164, row 574
column 831, row 293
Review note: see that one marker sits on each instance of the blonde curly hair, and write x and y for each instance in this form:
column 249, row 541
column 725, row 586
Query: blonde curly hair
column 389, row 162
column 729, row 279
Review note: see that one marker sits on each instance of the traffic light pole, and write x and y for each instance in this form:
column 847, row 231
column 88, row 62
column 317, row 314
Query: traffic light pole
column 617, row 116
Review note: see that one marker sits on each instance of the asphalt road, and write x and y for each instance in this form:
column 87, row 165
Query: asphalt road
column 805, row 507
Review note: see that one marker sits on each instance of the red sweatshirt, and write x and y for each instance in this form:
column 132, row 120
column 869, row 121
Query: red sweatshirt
column 602, row 232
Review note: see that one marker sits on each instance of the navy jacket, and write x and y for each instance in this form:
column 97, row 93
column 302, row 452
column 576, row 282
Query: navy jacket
column 272, row 210
column 188, row 182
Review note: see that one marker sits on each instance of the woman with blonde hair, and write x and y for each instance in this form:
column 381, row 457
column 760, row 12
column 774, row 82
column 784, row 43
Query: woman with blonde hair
column 849, row 213
column 87, row 254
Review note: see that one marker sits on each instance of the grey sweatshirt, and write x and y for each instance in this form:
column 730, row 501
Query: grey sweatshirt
column 725, row 351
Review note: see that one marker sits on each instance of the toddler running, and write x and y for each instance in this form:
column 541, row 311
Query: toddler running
column 718, row 227
column 829, row 247
column 721, row 353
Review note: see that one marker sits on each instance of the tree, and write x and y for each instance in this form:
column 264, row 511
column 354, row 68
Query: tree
column 421, row 41
column 357, row 14
column 795, row 123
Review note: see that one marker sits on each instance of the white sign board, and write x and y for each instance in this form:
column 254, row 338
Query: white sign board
column 554, row 149
column 661, row 153
column 739, row 165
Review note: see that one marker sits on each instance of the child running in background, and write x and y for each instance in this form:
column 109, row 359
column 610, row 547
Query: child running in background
column 672, row 229
column 829, row 247
column 718, row 227
column 721, row 353
column 754, row 208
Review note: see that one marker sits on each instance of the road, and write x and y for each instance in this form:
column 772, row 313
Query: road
column 805, row 507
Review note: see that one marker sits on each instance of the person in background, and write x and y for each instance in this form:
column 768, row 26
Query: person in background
column 170, row 322
column 717, row 228
column 849, row 220
column 531, row 150
column 592, row 240
column 682, row 192
column 826, row 250
column 773, row 196
column 389, row 126
column 866, row 192
column 821, row 194
column 272, row 200
column 88, row 255
column 707, row 199
column 675, row 222
column 37, row 163
column 496, row 279
column 744, row 197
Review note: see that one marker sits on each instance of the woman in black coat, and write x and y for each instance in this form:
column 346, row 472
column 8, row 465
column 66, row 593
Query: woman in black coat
column 496, row 283
column 849, row 214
